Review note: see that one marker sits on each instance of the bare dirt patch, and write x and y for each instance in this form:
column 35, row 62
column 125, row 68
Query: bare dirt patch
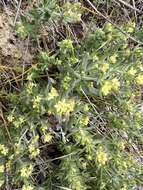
column 7, row 39
column 14, row 52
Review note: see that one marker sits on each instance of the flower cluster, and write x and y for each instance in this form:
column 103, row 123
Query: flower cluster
column 104, row 67
column 26, row 171
column 33, row 147
column 72, row 12
column 113, row 58
column 47, row 137
column 21, row 30
column 110, row 85
column 139, row 79
column 3, row 150
column 53, row 94
column 65, row 106
column 84, row 120
column 101, row 156
column 27, row 187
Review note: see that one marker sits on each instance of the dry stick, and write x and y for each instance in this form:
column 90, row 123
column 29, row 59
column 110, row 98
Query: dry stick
column 16, row 1
column 17, row 77
column 18, row 9
column 135, row 11
column 5, row 123
column 130, row 6
column 132, row 38
column 24, row 59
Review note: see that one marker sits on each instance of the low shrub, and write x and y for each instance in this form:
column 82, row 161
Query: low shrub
column 77, row 124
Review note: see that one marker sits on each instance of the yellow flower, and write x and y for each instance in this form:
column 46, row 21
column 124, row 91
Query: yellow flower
column 72, row 11
column 21, row 119
column 30, row 77
column 132, row 71
column 35, row 139
column 89, row 157
column 84, row 120
column 94, row 57
column 113, row 58
column 109, row 27
column 66, row 82
column 131, row 27
column 65, row 106
column 1, row 169
column 30, row 87
column 104, row 67
column 121, row 145
column 125, row 45
column 109, row 86
column 47, row 137
column 16, row 124
column 101, row 156
column 49, row 112
column 106, row 88
column 53, row 94
column 67, row 43
column 31, row 148
column 36, row 101
column 77, row 185
column 3, row 149
column 34, row 151
column 10, row 118
column 115, row 83
column 86, row 108
column 27, row 187
column 26, row 171
column 18, row 148
column 127, row 52
column 21, row 30
column 139, row 79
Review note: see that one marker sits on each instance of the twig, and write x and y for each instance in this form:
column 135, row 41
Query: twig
column 130, row 6
column 5, row 123
column 26, row 51
column 18, row 9
column 135, row 10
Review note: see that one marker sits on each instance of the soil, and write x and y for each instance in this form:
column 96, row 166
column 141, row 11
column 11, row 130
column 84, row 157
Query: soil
column 8, row 47
column 14, row 52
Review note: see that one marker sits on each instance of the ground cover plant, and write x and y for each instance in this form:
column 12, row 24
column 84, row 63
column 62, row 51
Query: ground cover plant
column 73, row 121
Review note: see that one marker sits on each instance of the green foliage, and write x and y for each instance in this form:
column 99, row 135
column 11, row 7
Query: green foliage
column 75, row 122
column 48, row 12
column 43, row 12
